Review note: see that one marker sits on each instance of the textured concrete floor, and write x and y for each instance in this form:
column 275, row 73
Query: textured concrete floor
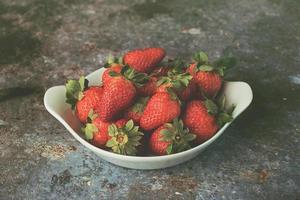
column 43, row 43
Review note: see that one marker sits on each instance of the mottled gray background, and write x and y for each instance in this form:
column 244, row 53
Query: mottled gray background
column 45, row 42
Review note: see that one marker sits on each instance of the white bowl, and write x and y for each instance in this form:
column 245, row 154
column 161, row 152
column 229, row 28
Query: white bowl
column 237, row 93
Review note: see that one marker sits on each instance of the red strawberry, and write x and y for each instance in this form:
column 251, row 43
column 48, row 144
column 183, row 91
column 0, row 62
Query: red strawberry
column 184, row 93
column 82, row 98
column 192, row 69
column 121, row 122
column 156, row 145
column 208, row 82
column 124, row 140
column 106, row 76
column 135, row 112
column 118, row 94
column 144, row 60
column 160, row 109
column 207, row 77
column 204, row 118
column 97, row 130
column 180, row 82
column 198, row 120
column 149, row 88
column 187, row 92
column 170, row 138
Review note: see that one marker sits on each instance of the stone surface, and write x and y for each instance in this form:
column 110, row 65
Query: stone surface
column 43, row 43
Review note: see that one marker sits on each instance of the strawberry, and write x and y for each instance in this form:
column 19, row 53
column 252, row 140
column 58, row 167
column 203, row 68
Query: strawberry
column 121, row 122
column 144, row 60
column 183, row 93
column 106, row 74
column 160, row 109
column 187, row 92
column 124, row 140
column 204, row 118
column 208, row 82
column 192, row 69
column 113, row 64
column 82, row 98
column 119, row 93
column 135, row 112
column 149, row 88
column 170, row 138
column 180, row 82
column 97, row 130
column 207, row 78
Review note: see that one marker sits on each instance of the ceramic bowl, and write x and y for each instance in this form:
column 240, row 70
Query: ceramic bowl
column 236, row 93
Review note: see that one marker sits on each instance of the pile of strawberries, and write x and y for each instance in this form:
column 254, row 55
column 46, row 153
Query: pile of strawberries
column 145, row 106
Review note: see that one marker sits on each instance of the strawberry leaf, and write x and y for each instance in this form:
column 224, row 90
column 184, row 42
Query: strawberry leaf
column 173, row 95
column 113, row 74
column 89, row 131
column 224, row 118
column 169, row 149
column 74, row 90
column 230, row 110
column 167, row 136
column 111, row 143
column 190, row 137
column 120, row 60
column 112, row 60
column 227, row 62
column 222, row 102
column 211, row 107
column 185, row 82
column 124, row 140
column 112, row 129
column 220, row 71
column 224, row 64
column 178, row 136
column 129, row 125
column 206, row 68
column 92, row 115
column 178, row 66
column 201, row 57
column 137, row 78
column 163, row 80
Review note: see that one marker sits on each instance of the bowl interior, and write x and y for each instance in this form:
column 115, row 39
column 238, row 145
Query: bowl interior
column 236, row 93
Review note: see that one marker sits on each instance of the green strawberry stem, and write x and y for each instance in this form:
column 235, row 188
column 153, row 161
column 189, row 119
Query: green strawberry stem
column 177, row 81
column 177, row 66
column 137, row 78
column 218, row 66
column 75, row 89
column 173, row 95
column 222, row 114
column 89, row 129
column 112, row 60
column 124, row 140
column 200, row 57
column 178, row 136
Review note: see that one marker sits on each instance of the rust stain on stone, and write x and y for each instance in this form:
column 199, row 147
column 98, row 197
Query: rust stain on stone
column 166, row 187
column 182, row 182
column 54, row 151
column 260, row 176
